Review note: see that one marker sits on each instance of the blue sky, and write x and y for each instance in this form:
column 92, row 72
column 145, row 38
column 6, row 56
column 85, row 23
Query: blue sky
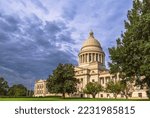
column 36, row 35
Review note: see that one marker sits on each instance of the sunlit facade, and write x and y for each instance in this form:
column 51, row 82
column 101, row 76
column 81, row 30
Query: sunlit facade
column 91, row 68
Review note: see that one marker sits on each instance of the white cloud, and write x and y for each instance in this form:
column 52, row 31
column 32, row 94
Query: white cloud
column 47, row 32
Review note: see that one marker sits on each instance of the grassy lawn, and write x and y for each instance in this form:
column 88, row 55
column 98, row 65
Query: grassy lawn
column 67, row 99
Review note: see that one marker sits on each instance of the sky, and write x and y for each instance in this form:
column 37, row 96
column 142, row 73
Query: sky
column 37, row 35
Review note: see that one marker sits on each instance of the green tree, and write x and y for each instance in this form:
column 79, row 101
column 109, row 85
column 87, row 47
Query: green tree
column 17, row 90
column 114, row 87
column 127, row 87
column 131, row 56
column 93, row 88
column 3, row 86
column 62, row 80
column 30, row 93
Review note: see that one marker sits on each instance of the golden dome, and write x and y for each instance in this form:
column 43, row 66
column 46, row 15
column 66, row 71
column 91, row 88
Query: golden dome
column 91, row 51
column 91, row 44
column 91, row 41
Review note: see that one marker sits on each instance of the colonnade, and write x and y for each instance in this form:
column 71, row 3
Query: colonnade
column 91, row 57
column 104, row 80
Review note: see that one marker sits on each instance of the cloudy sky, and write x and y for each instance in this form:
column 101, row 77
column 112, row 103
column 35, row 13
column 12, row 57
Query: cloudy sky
column 36, row 35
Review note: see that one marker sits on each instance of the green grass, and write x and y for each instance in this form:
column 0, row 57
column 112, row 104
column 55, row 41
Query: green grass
column 66, row 99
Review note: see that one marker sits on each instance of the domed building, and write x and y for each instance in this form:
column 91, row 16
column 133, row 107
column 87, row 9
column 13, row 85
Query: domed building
column 91, row 68
column 90, row 52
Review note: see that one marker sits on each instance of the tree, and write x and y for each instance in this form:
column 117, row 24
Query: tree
column 114, row 87
column 62, row 80
column 3, row 86
column 127, row 87
column 131, row 56
column 30, row 93
column 17, row 90
column 93, row 88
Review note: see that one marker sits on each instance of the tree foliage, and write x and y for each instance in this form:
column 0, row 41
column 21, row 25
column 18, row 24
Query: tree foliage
column 62, row 80
column 114, row 87
column 17, row 90
column 131, row 56
column 3, row 86
column 93, row 88
column 127, row 87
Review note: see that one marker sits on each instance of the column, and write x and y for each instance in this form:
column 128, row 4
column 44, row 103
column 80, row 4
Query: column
column 104, row 81
column 98, row 57
column 101, row 58
column 92, row 57
column 88, row 57
column 83, row 58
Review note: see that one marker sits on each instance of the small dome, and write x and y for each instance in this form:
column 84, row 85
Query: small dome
column 91, row 41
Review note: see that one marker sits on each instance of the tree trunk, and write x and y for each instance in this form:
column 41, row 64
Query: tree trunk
column 126, row 93
column 93, row 95
column 126, row 96
column 115, row 95
column 63, row 95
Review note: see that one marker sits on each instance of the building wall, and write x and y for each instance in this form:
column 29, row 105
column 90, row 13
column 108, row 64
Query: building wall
column 40, row 88
column 91, row 68
column 103, row 77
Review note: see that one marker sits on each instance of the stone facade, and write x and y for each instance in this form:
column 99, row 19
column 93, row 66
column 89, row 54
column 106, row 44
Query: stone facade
column 91, row 68
column 40, row 88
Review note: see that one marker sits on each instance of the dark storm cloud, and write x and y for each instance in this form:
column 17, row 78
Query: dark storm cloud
column 8, row 23
column 28, row 47
column 36, row 35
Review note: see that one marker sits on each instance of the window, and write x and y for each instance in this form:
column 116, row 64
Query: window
column 107, row 79
column 93, row 80
column 101, row 95
column 103, row 80
column 140, row 95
